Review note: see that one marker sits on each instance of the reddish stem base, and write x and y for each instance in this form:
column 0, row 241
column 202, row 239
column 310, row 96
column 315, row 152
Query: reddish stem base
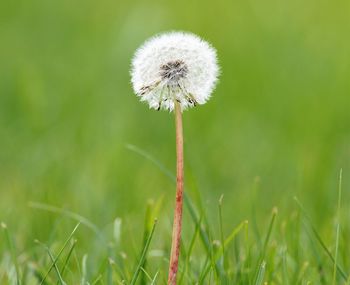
column 176, row 237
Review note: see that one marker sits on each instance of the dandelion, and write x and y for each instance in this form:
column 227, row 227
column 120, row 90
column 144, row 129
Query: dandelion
column 175, row 71
column 174, row 67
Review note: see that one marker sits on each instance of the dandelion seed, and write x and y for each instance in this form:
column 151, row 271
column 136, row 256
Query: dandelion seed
column 174, row 67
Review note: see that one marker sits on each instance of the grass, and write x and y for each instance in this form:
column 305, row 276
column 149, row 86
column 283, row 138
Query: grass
column 76, row 146
column 235, row 258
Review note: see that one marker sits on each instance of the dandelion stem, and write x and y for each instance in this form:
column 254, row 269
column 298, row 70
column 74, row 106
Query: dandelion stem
column 176, row 237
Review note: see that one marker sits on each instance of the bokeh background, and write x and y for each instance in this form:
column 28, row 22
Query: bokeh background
column 277, row 126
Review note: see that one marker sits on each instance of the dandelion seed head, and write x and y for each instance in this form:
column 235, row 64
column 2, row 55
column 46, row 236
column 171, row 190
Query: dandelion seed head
column 175, row 66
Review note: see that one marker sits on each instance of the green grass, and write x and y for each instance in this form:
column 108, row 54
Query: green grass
column 274, row 261
column 76, row 146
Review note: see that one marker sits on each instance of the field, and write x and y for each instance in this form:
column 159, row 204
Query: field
column 85, row 168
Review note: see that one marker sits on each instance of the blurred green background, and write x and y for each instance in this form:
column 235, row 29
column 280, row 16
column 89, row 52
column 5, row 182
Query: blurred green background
column 279, row 117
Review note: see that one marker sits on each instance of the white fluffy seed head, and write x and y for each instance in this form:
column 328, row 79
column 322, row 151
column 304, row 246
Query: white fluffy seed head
column 175, row 66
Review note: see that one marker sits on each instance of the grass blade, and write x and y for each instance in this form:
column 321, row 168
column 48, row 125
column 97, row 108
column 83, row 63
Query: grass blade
column 221, row 231
column 143, row 255
column 67, row 213
column 267, row 239
column 261, row 263
column 59, row 253
column 65, row 265
column 146, row 233
column 12, row 251
column 146, row 274
column 226, row 243
column 59, row 276
column 338, row 230
column 98, row 279
column 233, row 234
column 189, row 252
column 260, row 276
column 155, row 278
column 156, row 162
column 319, row 239
column 84, row 270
